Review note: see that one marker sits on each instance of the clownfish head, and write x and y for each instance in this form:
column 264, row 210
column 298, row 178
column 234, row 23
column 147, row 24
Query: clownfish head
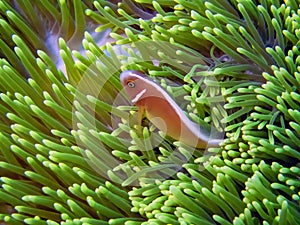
column 138, row 86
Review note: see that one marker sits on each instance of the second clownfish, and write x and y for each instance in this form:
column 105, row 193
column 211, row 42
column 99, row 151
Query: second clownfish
column 163, row 111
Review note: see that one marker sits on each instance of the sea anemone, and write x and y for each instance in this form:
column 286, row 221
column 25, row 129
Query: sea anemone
column 72, row 150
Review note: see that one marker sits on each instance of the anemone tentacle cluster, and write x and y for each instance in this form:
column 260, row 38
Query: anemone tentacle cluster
column 71, row 151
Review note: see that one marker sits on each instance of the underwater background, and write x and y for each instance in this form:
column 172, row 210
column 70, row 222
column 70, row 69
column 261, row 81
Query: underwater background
column 72, row 151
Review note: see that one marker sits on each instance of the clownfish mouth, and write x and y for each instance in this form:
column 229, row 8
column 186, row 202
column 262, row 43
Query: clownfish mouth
column 138, row 96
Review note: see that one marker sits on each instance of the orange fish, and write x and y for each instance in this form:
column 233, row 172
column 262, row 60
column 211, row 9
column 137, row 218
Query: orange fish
column 163, row 111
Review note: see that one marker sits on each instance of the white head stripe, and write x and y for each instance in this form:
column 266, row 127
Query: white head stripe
column 138, row 96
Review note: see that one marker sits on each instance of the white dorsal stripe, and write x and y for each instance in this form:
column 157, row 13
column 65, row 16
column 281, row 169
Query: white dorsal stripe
column 138, row 96
column 191, row 125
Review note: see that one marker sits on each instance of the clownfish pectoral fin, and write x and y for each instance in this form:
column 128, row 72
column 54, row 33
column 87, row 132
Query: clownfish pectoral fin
column 141, row 115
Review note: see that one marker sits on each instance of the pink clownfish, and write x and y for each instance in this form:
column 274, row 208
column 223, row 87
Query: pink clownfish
column 163, row 111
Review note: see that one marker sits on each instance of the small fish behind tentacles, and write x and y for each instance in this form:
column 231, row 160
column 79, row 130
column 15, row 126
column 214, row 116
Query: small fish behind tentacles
column 163, row 111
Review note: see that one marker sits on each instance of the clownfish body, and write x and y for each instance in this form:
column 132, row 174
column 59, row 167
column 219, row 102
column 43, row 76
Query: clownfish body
column 163, row 111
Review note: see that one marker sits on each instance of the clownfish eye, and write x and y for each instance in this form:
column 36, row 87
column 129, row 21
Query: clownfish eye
column 131, row 84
